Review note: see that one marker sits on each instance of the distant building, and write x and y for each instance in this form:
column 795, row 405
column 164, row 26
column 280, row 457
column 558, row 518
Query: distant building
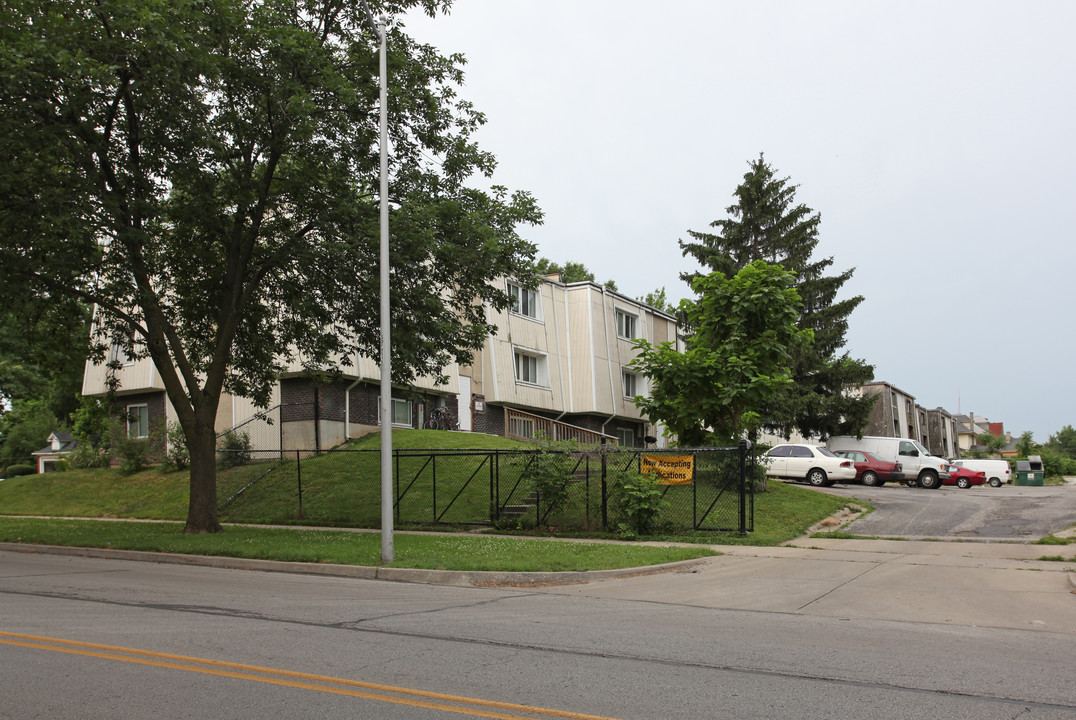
column 942, row 434
column 969, row 428
column 894, row 413
column 60, row 446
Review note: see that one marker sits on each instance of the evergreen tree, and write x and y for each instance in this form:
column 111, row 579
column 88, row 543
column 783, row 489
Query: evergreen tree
column 766, row 223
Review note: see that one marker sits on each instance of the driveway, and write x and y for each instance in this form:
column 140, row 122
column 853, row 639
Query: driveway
column 1007, row 513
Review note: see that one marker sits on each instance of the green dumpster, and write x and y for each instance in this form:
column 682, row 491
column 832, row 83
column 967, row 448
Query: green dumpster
column 1030, row 472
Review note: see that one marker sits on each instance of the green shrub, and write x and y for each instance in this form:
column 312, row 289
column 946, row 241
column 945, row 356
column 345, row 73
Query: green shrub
column 178, row 455
column 133, row 454
column 91, row 424
column 638, row 500
column 233, row 449
column 17, row 470
column 86, row 456
column 1054, row 463
column 549, row 473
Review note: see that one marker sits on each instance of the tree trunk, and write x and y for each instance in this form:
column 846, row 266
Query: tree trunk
column 202, row 514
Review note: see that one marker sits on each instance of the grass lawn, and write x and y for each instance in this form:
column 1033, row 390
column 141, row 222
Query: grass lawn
column 315, row 545
column 783, row 513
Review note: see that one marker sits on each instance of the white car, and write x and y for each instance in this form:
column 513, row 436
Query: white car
column 815, row 465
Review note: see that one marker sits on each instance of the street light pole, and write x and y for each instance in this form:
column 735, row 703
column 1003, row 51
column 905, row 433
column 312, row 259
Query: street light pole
column 387, row 554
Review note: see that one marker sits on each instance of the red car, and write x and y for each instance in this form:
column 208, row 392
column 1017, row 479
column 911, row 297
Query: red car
column 964, row 478
column 871, row 469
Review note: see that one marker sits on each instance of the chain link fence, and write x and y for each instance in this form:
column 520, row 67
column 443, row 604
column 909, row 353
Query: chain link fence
column 602, row 489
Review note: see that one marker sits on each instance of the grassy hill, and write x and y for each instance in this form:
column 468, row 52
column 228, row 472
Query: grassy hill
column 342, row 489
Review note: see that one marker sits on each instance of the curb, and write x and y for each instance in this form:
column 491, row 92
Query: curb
column 453, row 578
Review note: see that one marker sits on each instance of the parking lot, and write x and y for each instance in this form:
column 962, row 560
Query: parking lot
column 1007, row 513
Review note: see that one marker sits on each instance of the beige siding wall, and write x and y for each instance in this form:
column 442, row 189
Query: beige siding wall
column 582, row 358
column 366, row 369
column 537, row 337
column 140, row 376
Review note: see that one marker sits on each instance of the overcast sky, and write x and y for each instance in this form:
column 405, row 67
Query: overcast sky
column 934, row 138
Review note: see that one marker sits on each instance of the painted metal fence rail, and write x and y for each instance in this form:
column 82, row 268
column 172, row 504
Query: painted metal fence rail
column 685, row 490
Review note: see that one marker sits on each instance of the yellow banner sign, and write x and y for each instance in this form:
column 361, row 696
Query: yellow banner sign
column 669, row 469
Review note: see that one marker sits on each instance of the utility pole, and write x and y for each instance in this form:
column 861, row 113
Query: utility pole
column 387, row 552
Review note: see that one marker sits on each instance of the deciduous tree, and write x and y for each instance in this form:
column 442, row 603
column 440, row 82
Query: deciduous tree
column 658, row 300
column 204, row 173
column 570, row 272
column 766, row 223
column 737, row 358
column 1064, row 440
column 993, row 443
column 1026, row 443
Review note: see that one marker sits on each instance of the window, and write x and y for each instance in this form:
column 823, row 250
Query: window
column 524, row 301
column 626, row 436
column 117, row 355
column 625, row 325
column 800, row 452
column 629, row 384
column 526, row 368
column 401, row 412
column 137, row 421
column 531, row 368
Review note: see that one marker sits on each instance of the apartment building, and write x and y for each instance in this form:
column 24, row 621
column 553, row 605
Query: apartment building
column 895, row 412
column 942, row 438
column 559, row 360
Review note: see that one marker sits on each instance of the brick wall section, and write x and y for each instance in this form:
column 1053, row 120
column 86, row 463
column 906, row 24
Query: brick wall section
column 491, row 421
column 296, row 400
column 297, row 396
column 364, row 403
column 158, row 423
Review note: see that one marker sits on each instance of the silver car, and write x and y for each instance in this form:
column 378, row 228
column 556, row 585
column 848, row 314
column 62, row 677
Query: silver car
column 815, row 465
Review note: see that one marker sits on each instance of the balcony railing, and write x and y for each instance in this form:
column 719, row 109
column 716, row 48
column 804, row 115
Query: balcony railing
column 527, row 426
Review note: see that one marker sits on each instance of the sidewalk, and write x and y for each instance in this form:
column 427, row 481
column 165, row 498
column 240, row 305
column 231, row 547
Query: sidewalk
column 989, row 585
column 984, row 584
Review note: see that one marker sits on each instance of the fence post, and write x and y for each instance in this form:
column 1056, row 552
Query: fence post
column 494, row 502
column 586, row 472
column 299, row 477
column 694, row 492
column 317, row 421
column 743, row 487
column 605, row 494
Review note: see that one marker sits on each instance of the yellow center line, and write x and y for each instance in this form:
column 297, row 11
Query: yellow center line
column 281, row 677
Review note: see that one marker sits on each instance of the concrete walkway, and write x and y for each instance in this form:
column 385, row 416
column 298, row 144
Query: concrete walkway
column 970, row 584
column 1000, row 585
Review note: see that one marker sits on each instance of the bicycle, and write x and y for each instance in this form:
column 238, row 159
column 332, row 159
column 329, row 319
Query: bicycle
column 440, row 419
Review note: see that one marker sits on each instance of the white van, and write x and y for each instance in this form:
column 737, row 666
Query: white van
column 920, row 467
column 997, row 472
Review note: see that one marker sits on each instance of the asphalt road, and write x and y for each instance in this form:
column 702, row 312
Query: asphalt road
column 759, row 633
column 873, row 629
column 1007, row 513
